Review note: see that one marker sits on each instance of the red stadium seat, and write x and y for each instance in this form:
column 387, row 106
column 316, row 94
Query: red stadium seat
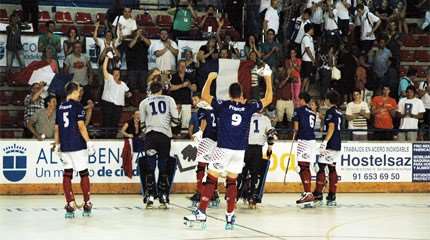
column 409, row 41
column 5, row 119
column 422, row 56
column 424, row 40
column 87, row 30
column 65, row 28
column 151, row 32
column 63, row 17
column 5, row 97
column 407, row 56
column 42, row 28
column 7, row 134
column 421, row 72
column 403, row 71
column 3, row 15
column 44, row 16
column 144, row 20
column 18, row 98
column 83, row 18
column 164, row 21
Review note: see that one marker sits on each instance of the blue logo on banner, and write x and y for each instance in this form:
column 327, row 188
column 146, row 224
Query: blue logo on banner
column 14, row 162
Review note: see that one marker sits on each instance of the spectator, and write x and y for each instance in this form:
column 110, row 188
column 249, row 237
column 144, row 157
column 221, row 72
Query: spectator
column 113, row 98
column 194, row 125
column 423, row 94
column 209, row 22
column 49, row 40
column 79, row 65
column 426, row 23
column 284, row 99
column 394, row 44
column 137, row 61
column 13, row 43
column 133, row 129
column 342, row 12
column 42, row 122
column 112, row 14
column 88, row 107
column 30, row 13
column 72, row 37
column 293, row 66
column 347, row 64
column 207, row 52
column 181, row 89
column 383, row 110
column 391, row 77
column 49, row 58
column 227, row 43
column 271, row 50
column 255, row 78
column 407, row 81
column 298, row 32
column 399, row 17
column 191, row 65
column 125, row 25
column 369, row 23
column 251, row 46
column 357, row 114
column 379, row 58
column 314, row 104
column 153, row 76
column 271, row 18
column 224, row 53
column 328, row 61
column 361, row 73
column 33, row 102
column 317, row 15
column 411, row 110
column 308, row 57
column 331, row 34
column 165, row 52
column 183, row 16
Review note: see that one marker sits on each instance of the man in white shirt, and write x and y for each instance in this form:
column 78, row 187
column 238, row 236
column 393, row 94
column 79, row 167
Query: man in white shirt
column 165, row 52
column 125, row 24
column 411, row 109
column 271, row 18
column 357, row 114
column 369, row 23
column 308, row 56
column 332, row 34
column 299, row 28
column 264, row 4
column 342, row 9
column 317, row 15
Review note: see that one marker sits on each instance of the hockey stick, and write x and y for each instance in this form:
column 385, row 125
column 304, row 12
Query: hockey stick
column 289, row 156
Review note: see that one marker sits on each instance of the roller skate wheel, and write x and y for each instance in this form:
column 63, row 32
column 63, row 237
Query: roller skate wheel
column 204, row 225
column 86, row 214
column 229, row 226
column 69, row 215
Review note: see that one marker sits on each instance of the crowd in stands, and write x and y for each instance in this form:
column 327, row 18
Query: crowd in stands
column 353, row 47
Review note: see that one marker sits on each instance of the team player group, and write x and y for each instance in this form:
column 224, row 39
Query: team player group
column 233, row 135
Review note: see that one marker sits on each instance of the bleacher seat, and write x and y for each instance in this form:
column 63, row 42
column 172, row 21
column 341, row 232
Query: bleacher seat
column 101, row 17
column 5, row 119
column 65, row 28
column 5, row 98
column 151, row 32
column 164, row 21
column 63, row 17
column 144, row 20
column 407, row 56
column 18, row 98
column 3, row 15
column 409, row 41
column 422, row 56
column 44, row 16
column 83, row 18
column 421, row 72
column 424, row 40
column 125, row 116
column 403, row 71
column 87, row 30
column 42, row 28
column 7, row 134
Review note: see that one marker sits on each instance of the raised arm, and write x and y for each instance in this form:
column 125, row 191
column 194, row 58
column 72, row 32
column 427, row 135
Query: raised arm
column 268, row 96
column 206, row 92
column 105, row 71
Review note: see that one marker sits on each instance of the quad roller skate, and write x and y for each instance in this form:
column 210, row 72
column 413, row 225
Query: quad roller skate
column 318, row 199
column 164, row 204
column 150, row 202
column 70, row 209
column 215, row 201
column 306, row 201
column 252, row 203
column 87, row 209
column 230, row 221
column 197, row 217
column 331, row 200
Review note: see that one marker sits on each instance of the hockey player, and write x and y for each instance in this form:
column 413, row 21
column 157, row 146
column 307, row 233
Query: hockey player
column 329, row 150
column 73, row 146
column 303, row 124
column 255, row 167
column 234, row 118
column 207, row 143
column 157, row 113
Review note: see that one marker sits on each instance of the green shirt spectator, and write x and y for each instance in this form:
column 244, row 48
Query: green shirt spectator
column 182, row 16
column 49, row 40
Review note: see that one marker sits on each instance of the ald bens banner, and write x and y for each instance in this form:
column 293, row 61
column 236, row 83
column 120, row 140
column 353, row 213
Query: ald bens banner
column 33, row 162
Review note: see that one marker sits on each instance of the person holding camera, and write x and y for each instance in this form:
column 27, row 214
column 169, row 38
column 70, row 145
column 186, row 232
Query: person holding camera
column 137, row 60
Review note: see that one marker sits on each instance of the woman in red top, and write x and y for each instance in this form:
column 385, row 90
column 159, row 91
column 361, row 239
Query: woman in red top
column 293, row 65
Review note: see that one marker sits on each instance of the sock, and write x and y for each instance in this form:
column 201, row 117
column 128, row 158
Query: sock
column 67, row 185
column 332, row 176
column 305, row 176
column 201, row 167
column 320, row 178
column 85, row 184
column 207, row 192
column 231, row 194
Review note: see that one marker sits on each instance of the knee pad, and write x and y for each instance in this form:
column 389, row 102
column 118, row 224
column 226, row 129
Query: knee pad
column 164, row 184
column 68, row 173
column 84, row 173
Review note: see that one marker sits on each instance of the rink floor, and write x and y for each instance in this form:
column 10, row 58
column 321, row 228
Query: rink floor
column 357, row 216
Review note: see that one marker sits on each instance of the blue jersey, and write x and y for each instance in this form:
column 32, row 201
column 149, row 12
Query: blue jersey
column 306, row 119
column 233, row 122
column 67, row 117
column 333, row 115
column 209, row 116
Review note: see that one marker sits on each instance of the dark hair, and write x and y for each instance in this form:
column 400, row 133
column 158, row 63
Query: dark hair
column 305, row 96
column 333, row 97
column 48, row 99
column 308, row 27
column 308, row 11
column 235, row 90
column 360, row 6
column 411, row 72
column 411, row 87
column 356, row 90
column 271, row 30
column 70, row 29
column 49, row 22
column 210, row 6
column 155, row 87
column 71, row 87
column 247, row 39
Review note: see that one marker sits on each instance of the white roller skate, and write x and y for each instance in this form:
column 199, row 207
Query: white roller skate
column 87, row 209
column 331, row 200
column 163, row 202
column 306, row 200
column 196, row 216
column 230, row 219
column 150, row 202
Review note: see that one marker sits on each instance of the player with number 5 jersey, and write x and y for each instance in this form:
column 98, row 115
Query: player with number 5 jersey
column 73, row 146
column 234, row 118
column 303, row 123
column 329, row 149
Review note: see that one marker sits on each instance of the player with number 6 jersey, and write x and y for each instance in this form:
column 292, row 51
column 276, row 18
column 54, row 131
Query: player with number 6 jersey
column 234, row 118
column 157, row 112
column 329, row 149
column 303, row 124
column 73, row 146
